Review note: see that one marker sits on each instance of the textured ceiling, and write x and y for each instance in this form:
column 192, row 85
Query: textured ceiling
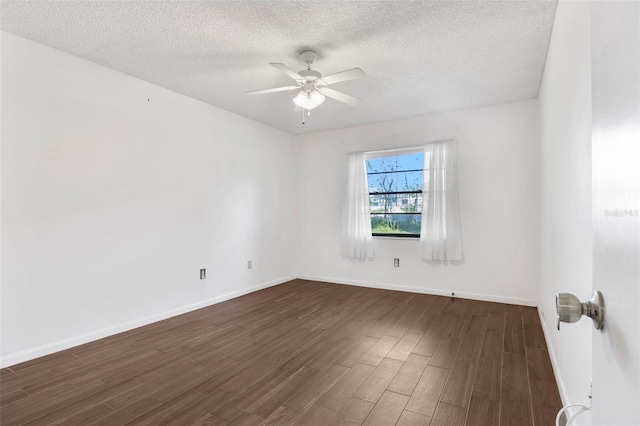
column 420, row 57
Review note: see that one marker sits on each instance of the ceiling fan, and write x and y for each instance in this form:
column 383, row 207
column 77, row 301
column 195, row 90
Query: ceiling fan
column 312, row 84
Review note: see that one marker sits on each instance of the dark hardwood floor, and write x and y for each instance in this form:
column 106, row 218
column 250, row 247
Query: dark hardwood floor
column 304, row 353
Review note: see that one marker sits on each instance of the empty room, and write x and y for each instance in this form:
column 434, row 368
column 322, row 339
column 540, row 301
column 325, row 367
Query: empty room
column 320, row 213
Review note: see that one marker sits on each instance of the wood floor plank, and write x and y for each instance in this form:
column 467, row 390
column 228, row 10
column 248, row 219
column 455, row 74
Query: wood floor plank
column 495, row 321
column 409, row 418
column 331, row 352
column 338, row 395
column 422, row 324
column 405, row 346
column 426, row 395
column 358, row 349
column 304, row 352
column 310, row 392
column 281, row 392
column 375, row 385
column 198, row 410
column 545, row 401
column 44, row 363
column 240, row 402
column 431, row 339
column 317, row 415
column 446, row 353
column 513, row 320
column 483, row 412
column 188, row 381
column 169, row 408
column 488, row 379
column 492, row 345
column 33, row 407
column 66, row 411
column 13, row 396
column 530, row 316
column 162, row 379
column 534, row 337
column 130, row 413
column 5, row 372
column 407, row 378
column 470, row 349
column 457, row 328
column 477, row 326
column 250, row 376
column 352, row 329
column 388, row 409
column 301, row 352
column 354, row 412
column 218, row 378
column 449, row 415
column 248, row 419
column 514, row 308
column 88, row 416
column 139, row 369
column 515, row 402
column 457, row 390
column 283, row 416
column 31, row 379
column 379, row 351
column 414, row 310
column 514, row 341
column 539, row 365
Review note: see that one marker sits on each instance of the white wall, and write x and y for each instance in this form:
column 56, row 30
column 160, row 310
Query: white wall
column 565, row 195
column 111, row 203
column 498, row 183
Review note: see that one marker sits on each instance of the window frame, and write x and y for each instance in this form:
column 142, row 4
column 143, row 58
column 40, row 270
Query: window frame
column 394, row 153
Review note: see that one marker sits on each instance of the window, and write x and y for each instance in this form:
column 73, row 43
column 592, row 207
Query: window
column 395, row 193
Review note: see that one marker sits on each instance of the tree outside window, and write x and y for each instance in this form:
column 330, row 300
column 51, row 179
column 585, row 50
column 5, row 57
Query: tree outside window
column 395, row 194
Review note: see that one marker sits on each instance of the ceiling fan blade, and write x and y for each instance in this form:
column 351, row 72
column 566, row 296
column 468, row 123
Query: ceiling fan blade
column 351, row 74
column 339, row 96
column 288, row 71
column 275, row 89
column 297, row 108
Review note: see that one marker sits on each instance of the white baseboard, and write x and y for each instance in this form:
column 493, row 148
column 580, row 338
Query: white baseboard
column 434, row 291
column 27, row 355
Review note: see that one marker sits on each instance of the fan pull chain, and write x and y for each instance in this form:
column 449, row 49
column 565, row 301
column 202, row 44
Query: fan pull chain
column 308, row 111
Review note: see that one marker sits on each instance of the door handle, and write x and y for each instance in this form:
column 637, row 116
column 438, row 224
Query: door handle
column 570, row 309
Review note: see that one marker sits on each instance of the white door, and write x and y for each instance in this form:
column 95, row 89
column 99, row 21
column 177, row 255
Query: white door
column 615, row 66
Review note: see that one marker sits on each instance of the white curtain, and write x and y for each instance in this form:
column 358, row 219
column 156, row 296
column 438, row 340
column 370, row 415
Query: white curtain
column 356, row 223
column 440, row 234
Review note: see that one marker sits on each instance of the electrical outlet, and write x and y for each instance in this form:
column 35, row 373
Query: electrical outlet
column 396, row 262
column 203, row 274
column 249, row 264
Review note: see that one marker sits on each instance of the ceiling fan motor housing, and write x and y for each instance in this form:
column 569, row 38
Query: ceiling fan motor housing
column 310, row 75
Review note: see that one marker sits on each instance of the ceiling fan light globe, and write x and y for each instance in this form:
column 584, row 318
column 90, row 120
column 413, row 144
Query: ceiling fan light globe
column 317, row 97
column 309, row 100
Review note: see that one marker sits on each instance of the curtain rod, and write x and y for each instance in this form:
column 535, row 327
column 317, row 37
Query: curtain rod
column 404, row 148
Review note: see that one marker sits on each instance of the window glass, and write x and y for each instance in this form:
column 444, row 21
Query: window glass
column 395, row 194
